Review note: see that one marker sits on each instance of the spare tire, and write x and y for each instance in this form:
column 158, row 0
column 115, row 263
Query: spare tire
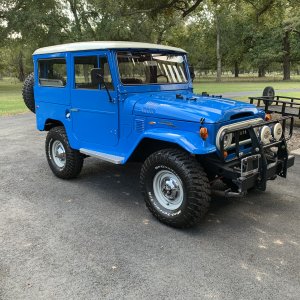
column 27, row 92
column 269, row 93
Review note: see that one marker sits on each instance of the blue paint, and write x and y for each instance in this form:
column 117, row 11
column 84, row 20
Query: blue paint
column 151, row 111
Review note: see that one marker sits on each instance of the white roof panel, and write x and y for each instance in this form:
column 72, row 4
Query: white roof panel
column 97, row 45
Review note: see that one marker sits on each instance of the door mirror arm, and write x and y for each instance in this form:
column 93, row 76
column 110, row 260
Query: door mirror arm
column 107, row 91
column 97, row 78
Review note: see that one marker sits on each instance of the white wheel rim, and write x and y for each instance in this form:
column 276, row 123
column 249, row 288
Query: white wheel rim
column 168, row 189
column 58, row 154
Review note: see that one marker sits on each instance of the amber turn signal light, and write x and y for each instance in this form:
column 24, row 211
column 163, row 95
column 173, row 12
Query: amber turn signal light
column 204, row 133
column 268, row 117
column 225, row 154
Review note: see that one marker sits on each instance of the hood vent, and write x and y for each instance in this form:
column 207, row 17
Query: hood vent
column 241, row 115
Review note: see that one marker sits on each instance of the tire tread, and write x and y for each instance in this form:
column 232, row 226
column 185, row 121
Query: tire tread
column 74, row 159
column 28, row 93
column 198, row 187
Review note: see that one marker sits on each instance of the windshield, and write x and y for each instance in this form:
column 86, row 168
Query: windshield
column 151, row 68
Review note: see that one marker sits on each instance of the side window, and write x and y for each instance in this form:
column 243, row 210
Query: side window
column 104, row 66
column 53, row 72
column 83, row 67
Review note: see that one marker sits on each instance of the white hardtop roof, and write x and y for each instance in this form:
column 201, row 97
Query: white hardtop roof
column 97, row 45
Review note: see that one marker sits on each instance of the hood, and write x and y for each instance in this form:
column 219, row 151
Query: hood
column 191, row 107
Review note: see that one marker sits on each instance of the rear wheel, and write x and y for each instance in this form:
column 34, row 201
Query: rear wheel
column 175, row 188
column 64, row 161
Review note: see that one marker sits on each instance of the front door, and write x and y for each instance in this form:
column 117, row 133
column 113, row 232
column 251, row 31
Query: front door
column 94, row 114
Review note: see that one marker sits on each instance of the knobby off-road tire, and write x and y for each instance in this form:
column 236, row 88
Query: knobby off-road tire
column 27, row 92
column 64, row 161
column 173, row 173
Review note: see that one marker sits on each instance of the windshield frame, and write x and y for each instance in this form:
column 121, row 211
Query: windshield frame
column 173, row 85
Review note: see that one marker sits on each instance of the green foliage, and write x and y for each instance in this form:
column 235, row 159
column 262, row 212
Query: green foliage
column 252, row 32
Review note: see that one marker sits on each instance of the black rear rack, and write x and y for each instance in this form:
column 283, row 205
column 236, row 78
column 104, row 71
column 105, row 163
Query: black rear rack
column 285, row 106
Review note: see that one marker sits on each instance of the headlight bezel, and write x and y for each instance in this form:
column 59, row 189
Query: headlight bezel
column 228, row 137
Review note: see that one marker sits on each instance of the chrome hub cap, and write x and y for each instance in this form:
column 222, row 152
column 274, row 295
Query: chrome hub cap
column 168, row 189
column 58, row 154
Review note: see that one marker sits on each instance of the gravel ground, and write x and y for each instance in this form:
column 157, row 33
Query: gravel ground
column 294, row 142
column 93, row 238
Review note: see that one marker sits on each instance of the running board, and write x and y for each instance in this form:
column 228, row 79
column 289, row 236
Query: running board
column 104, row 156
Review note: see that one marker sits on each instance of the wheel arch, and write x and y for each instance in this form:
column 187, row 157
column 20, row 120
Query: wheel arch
column 51, row 123
column 158, row 139
column 148, row 146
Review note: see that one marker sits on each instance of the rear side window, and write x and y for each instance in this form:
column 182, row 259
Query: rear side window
column 53, row 72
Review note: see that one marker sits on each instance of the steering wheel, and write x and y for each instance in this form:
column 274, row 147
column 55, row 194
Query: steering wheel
column 163, row 75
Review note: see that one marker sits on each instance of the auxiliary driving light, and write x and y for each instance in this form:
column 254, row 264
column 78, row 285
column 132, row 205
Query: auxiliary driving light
column 265, row 134
column 277, row 131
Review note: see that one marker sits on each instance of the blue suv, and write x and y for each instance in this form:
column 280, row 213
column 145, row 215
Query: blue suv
column 128, row 101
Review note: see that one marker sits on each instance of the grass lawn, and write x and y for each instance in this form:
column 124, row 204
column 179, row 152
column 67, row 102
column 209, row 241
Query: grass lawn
column 11, row 99
column 228, row 87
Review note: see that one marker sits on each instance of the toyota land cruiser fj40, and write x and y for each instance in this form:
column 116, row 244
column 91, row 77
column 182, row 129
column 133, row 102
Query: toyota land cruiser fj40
column 126, row 101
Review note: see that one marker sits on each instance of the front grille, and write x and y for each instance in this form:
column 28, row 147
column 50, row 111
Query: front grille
column 244, row 136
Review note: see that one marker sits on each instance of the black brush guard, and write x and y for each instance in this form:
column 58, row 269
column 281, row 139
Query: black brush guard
column 254, row 168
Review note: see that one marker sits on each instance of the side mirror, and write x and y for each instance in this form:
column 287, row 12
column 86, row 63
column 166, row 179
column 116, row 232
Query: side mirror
column 192, row 72
column 96, row 76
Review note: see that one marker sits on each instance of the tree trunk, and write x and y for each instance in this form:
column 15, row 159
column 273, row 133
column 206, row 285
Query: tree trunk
column 21, row 72
column 236, row 69
column 86, row 73
column 286, row 56
column 218, row 50
column 261, row 71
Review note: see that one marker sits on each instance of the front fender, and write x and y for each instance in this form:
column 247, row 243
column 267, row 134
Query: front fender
column 190, row 141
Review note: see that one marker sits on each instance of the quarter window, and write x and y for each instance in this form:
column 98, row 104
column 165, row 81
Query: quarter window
column 106, row 74
column 53, row 72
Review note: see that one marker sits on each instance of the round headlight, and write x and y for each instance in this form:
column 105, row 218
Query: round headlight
column 227, row 140
column 265, row 134
column 277, row 131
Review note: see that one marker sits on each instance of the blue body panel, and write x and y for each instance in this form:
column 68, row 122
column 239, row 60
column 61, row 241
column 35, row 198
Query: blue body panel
column 154, row 111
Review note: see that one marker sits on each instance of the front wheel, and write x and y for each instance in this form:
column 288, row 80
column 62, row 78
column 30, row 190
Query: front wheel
column 175, row 188
column 64, row 161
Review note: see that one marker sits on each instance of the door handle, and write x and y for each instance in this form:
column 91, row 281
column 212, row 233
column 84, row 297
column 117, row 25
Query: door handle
column 74, row 109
